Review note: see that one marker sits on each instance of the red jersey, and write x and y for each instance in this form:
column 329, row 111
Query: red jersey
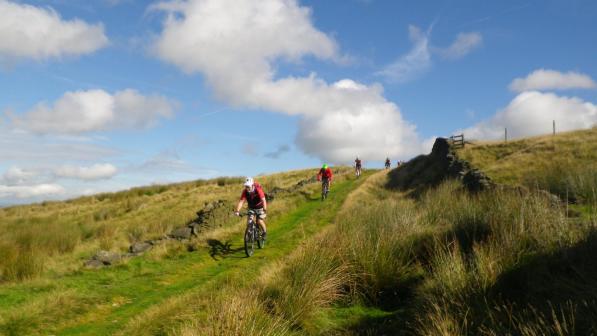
column 326, row 174
column 255, row 197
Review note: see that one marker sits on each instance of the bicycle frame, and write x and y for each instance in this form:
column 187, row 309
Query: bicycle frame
column 325, row 188
column 252, row 233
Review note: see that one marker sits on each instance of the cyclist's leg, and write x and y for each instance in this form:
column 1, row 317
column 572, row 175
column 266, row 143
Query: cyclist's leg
column 261, row 221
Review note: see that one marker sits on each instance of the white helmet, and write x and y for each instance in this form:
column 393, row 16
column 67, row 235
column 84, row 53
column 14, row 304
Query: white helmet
column 249, row 182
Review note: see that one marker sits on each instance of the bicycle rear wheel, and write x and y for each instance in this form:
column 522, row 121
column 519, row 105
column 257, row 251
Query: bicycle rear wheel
column 325, row 187
column 260, row 240
column 249, row 241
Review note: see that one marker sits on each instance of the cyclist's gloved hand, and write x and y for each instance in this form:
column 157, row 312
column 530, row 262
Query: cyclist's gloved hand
column 236, row 213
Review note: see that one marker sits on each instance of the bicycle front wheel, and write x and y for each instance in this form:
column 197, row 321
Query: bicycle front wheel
column 249, row 242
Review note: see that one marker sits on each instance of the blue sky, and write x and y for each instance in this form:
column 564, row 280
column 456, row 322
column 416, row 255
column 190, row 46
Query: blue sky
column 106, row 95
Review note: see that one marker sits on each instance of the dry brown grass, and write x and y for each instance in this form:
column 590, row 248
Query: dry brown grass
column 513, row 161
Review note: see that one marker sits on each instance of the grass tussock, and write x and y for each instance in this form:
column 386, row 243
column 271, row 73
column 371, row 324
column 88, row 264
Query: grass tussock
column 237, row 315
column 495, row 250
column 569, row 180
column 303, row 289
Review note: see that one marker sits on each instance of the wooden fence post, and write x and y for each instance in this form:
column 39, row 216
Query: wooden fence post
column 554, row 127
column 506, row 135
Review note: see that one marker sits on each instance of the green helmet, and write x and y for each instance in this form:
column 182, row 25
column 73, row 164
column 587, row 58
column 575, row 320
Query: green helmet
column 325, row 166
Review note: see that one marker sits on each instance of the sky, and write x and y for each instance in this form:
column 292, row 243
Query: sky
column 100, row 96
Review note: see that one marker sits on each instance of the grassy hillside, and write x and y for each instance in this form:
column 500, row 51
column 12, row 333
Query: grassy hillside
column 52, row 238
column 523, row 160
column 370, row 260
column 503, row 261
column 498, row 262
column 515, row 160
column 163, row 288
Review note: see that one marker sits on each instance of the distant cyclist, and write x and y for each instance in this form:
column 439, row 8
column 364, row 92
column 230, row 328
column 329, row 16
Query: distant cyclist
column 255, row 197
column 357, row 166
column 325, row 175
column 388, row 163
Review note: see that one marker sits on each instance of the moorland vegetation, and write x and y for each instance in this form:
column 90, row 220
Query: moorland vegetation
column 376, row 259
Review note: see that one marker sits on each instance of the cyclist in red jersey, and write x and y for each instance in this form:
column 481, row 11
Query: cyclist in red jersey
column 255, row 197
column 388, row 163
column 325, row 174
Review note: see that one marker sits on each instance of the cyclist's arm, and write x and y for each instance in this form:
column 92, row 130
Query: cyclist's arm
column 239, row 205
column 241, row 201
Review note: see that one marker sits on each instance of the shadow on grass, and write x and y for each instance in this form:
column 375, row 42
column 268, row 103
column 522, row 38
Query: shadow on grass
column 220, row 250
column 563, row 280
column 553, row 288
column 390, row 312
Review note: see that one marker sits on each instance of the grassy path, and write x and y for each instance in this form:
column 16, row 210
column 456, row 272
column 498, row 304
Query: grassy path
column 108, row 299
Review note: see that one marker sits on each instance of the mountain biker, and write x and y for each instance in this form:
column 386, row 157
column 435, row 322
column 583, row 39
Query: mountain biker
column 357, row 166
column 325, row 175
column 388, row 163
column 255, row 197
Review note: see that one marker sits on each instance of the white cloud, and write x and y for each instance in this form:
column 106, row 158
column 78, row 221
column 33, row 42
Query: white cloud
column 532, row 113
column 95, row 110
column 463, row 45
column 30, row 191
column 366, row 125
column 411, row 65
column 95, row 172
column 544, row 79
column 39, row 33
column 15, row 175
column 235, row 44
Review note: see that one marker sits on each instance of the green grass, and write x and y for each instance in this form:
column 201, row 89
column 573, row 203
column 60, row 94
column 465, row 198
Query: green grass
column 128, row 298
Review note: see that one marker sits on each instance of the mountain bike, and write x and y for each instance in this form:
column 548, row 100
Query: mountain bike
column 325, row 189
column 253, row 233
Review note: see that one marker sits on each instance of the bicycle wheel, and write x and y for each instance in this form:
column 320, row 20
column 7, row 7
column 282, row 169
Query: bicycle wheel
column 260, row 240
column 249, row 240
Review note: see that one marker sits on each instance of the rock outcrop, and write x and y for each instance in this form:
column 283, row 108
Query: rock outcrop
column 442, row 163
column 103, row 258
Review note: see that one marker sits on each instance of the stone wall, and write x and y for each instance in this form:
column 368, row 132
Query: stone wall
column 426, row 171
